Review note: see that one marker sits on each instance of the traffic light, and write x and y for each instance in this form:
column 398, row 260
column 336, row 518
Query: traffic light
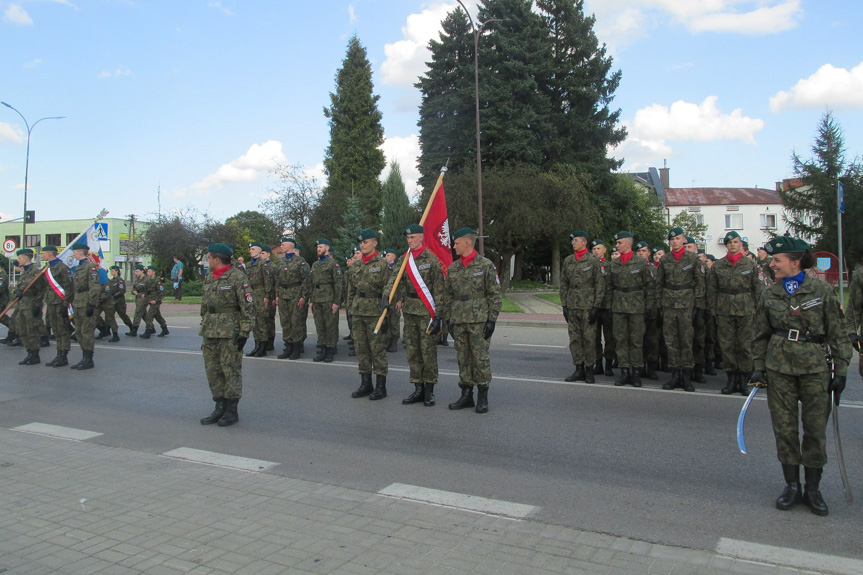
column 29, row 216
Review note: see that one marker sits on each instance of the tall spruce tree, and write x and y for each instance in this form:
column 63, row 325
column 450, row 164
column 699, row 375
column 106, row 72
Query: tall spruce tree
column 352, row 224
column 398, row 213
column 353, row 161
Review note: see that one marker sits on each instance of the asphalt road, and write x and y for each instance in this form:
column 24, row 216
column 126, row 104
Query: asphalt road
column 641, row 463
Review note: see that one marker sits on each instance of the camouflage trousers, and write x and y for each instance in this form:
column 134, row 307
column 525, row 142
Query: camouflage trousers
column 107, row 308
column 629, row 336
column 678, row 328
column 30, row 328
column 422, row 349
column 582, row 337
column 711, row 344
column 292, row 319
column 5, row 320
column 259, row 329
column 654, row 340
column 140, row 310
column 734, row 333
column 699, row 338
column 371, row 347
column 395, row 331
column 783, row 393
column 84, row 327
column 474, row 365
column 604, row 332
column 119, row 305
column 304, row 321
column 154, row 312
column 57, row 316
column 326, row 324
column 223, row 363
column 271, row 321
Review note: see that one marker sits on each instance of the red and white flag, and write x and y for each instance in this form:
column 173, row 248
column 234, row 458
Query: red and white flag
column 420, row 286
column 436, row 230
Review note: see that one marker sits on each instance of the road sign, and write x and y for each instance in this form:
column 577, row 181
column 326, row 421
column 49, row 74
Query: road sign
column 9, row 246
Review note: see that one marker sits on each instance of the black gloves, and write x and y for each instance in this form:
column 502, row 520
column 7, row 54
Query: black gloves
column 856, row 342
column 18, row 293
column 241, row 342
column 648, row 315
column 90, row 309
column 592, row 315
column 566, row 313
column 385, row 302
column 487, row 330
column 37, row 311
column 385, row 326
column 758, row 378
column 434, row 329
column 837, row 386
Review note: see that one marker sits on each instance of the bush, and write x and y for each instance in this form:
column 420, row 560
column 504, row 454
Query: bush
column 194, row 287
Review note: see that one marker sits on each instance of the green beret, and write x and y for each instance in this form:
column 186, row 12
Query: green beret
column 690, row 240
column 266, row 248
column 579, row 234
column 597, row 242
column 322, row 242
column 298, row 247
column 115, row 268
column 730, row 236
column 367, row 235
column 289, row 239
column 655, row 249
column 139, row 267
column 79, row 245
column 223, row 249
column 461, row 232
column 24, row 252
column 256, row 245
column 785, row 244
column 622, row 234
column 640, row 245
column 413, row 229
column 49, row 249
column 154, row 268
column 674, row 232
column 711, row 257
column 356, row 249
column 391, row 251
column 700, row 251
column 745, row 244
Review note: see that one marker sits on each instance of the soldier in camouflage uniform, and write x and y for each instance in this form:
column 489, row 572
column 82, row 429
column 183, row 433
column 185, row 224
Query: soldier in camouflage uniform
column 395, row 321
column 652, row 327
column 798, row 321
column 733, row 291
column 632, row 293
column 293, row 281
column 765, row 272
column 582, row 290
column 855, row 312
column 262, row 287
column 699, row 324
column 421, row 329
column 304, row 320
column 604, row 331
column 117, row 301
column 58, row 296
column 269, row 345
column 29, row 312
column 325, row 301
column 139, row 290
column 227, row 314
column 154, row 294
column 472, row 302
column 367, row 299
column 656, row 254
column 4, row 301
column 681, row 294
column 88, row 289
column 348, row 275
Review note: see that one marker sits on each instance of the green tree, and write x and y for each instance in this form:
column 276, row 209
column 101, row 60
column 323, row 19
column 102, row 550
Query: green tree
column 690, row 225
column 353, row 161
column 626, row 206
column 292, row 201
column 181, row 236
column 398, row 212
column 352, row 224
column 255, row 226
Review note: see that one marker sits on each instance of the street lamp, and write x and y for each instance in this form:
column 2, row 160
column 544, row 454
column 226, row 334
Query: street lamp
column 27, row 164
column 476, row 34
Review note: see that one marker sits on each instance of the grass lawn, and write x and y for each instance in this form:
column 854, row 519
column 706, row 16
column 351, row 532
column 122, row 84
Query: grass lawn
column 509, row 307
column 550, row 297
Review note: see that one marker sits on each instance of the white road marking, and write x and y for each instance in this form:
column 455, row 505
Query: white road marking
column 458, row 501
column 219, row 459
column 57, row 431
column 538, row 345
column 788, row 557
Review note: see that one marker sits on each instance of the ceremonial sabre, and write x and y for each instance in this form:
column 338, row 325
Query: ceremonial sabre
column 741, row 442
column 846, row 486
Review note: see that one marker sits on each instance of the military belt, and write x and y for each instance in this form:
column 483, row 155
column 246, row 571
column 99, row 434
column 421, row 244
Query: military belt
column 628, row 290
column 678, row 287
column 471, row 296
column 795, row 335
column 290, row 285
column 222, row 309
column 318, row 286
column 733, row 291
column 369, row 295
column 82, row 290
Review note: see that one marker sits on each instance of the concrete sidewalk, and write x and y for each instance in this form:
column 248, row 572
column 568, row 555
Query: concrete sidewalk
column 73, row 506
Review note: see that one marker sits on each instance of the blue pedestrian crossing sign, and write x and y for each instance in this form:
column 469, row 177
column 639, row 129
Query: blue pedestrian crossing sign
column 101, row 229
column 823, row 264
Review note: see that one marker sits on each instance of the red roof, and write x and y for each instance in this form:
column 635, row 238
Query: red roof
column 720, row 196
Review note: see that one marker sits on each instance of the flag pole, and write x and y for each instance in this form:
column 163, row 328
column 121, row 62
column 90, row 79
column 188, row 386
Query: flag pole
column 401, row 272
column 840, row 209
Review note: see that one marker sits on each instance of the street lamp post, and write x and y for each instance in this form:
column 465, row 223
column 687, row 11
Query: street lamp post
column 476, row 33
column 27, row 165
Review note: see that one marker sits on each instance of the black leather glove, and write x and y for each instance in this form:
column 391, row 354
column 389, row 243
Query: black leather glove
column 385, row 326
column 758, row 378
column 487, row 329
column 856, row 342
column 90, row 310
column 451, row 329
column 37, row 311
column 566, row 313
column 837, row 386
column 385, row 302
column 592, row 315
column 241, row 342
column 18, row 293
column 434, row 329
column 648, row 315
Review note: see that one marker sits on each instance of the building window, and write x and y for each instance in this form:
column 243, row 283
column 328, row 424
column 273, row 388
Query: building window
column 70, row 238
column 16, row 239
column 699, row 219
column 768, row 221
column 33, row 241
column 52, row 240
column 733, row 221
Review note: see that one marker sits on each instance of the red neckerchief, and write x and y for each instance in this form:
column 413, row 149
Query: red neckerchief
column 580, row 254
column 218, row 273
column 465, row 260
column 734, row 259
column 624, row 258
column 678, row 254
column 415, row 253
column 370, row 257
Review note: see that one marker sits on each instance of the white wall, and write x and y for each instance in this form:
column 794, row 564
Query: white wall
column 714, row 218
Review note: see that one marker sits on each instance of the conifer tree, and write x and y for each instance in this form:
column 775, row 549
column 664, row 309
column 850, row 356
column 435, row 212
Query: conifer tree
column 397, row 211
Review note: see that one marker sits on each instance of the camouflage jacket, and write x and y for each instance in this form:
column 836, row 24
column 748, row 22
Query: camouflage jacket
column 226, row 306
column 582, row 283
column 366, row 286
column 349, row 280
column 139, row 287
column 260, row 278
column 431, row 272
column 155, row 290
column 680, row 284
column 34, row 296
column 4, row 287
column 813, row 310
column 472, row 293
column 733, row 289
column 855, row 301
column 765, row 272
column 87, row 290
column 293, row 279
column 117, row 288
column 631, row 288
column 326, row 281
column 63, row 276
column 603, row 269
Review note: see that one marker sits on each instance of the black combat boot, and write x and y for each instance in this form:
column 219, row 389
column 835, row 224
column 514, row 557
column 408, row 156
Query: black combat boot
column 708, row 368
column 651, row 370
column 164, row 331
column 34, row 359
column 466, row 399
column 663, row 363
column 103, row 332
column 482, row 399
column 642, row 371
column 53, row 361
column 329, row 354
column 296, row 350
column 262, row 352
column 674, row 382
column 114, row 337
column 730, row 385
column 428, row 395
column 321, row 355
column 597, row 369
column 717, row 361
column 230, row 417
column 301, row 346
column 615, row 363
column 289, row 350
column 133, row 331
column 61, row 359
column 380, row 391
column 44, row 341
column 608, row 371
column 685, row 381
column 146, row 334
column 365, row 387
column 811, row 494
column 444, row 339
column 29, row 359
column 624, row 377
column 415, row 397
column 10, row 337
column 255, row 350
column 270, row 345
column 743, row 383
column 87, row 362
column 217, row 414
column 635, row 378
column 792, row 494
column 589, row 375
column 577, row 375
column 698, row 374
column 16, row 342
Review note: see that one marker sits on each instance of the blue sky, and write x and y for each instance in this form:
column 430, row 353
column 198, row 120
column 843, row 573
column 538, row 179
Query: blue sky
column 200, row 98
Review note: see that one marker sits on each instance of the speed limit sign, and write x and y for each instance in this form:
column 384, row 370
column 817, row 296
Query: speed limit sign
column 9, row 246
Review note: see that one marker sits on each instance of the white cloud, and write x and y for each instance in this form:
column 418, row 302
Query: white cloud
column 405, row 151
column 15, row 14
column 351, row 13
column 762, row 20
column 218, row 6
column 32, row 63
column 257, row 161
column 828, row 87
column 116, row 73
column 9, row 134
